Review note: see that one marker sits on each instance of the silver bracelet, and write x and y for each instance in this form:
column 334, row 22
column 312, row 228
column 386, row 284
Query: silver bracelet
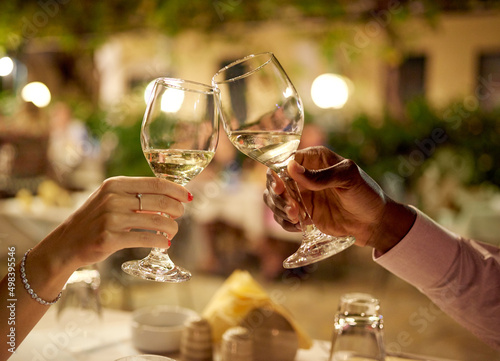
column 31, row 292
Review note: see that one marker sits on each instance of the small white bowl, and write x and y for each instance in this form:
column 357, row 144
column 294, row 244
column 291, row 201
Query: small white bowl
column 158, row 329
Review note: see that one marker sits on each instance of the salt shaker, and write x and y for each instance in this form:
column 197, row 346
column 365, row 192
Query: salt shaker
column 237, row 345
column 358, row 329
column 196, row 340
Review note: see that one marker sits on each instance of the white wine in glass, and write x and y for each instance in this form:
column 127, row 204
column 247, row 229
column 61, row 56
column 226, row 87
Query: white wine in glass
column 263, row 117
column 179, row 136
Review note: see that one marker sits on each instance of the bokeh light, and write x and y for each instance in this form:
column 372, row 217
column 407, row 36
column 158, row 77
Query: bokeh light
column 171, row 101
column 330, row 91
column 6, row 66
column 37, row 93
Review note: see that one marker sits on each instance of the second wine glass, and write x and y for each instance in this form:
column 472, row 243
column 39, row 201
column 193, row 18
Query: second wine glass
column 179, row 136
column 263, row 116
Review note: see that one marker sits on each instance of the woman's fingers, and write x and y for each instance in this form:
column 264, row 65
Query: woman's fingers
column 150, row 221
column 142, row 195
column 141, row 239
column 111, row 219
column 152, row 203
column 146, row 185
column 119, row 210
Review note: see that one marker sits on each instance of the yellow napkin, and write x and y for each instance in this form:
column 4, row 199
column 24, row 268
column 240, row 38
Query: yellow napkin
column 239, row 295
column 52, row 194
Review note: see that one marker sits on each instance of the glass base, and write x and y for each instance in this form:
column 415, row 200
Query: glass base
column 159, row 273
column 317, row 246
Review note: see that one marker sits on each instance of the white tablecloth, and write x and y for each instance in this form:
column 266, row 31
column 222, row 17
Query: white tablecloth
column 111, row 339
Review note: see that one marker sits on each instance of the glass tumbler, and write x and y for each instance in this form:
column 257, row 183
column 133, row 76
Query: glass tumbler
column 358, row 333
column 79, row 309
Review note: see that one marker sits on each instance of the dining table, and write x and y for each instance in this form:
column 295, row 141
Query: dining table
column 111, row 338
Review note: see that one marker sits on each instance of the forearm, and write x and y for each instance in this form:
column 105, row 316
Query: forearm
column 470, row 291
column 461, row 277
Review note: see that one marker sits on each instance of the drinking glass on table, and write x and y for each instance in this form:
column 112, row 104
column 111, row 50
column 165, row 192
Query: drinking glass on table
column 263, row 116
column 179, row 136
column 357, row 335
column 80, row 308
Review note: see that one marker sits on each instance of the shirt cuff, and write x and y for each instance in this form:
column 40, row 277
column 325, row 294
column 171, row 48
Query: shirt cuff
column 424, row 256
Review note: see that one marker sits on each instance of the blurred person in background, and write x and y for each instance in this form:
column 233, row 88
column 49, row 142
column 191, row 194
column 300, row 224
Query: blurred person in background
column 73, row 153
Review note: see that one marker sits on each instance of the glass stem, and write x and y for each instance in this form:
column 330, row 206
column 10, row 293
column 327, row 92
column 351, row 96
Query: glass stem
column 305, row 220
column 159, row 257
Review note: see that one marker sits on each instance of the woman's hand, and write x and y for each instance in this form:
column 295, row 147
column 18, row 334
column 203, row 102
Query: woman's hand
column 341, row 199
column 104, row 224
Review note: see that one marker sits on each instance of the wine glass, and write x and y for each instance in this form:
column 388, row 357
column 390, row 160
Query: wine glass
column 263, row 116
column 179, row 136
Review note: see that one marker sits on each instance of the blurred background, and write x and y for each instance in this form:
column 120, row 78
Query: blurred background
column 409, row 89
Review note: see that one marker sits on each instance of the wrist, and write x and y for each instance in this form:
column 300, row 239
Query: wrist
column 27, row 285
column 395, row 223
column 46, row 272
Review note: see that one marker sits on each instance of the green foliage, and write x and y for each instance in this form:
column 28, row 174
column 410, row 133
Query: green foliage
column 378, row 145
column 468, row 147
column 466, row 143
column 78, row 23
column 127, row 158
column 477, row 137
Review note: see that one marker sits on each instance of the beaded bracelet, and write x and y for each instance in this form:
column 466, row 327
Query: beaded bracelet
column 32, row 293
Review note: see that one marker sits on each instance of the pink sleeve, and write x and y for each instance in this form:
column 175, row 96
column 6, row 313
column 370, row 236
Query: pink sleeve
column 460, row 276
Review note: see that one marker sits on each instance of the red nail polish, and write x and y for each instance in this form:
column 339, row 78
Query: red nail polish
column 190, row 197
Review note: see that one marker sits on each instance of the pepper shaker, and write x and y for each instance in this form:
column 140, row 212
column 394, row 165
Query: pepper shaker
column 196, row 340
column 237, row 345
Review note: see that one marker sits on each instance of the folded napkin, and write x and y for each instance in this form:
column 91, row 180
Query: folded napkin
column 236, row 298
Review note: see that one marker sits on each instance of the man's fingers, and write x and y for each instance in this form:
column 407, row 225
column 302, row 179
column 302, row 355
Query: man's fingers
column 274, row 182
column 341, row 175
